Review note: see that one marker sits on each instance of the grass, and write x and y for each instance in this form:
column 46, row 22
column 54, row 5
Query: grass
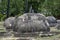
column 2, row 29
column 55, row 37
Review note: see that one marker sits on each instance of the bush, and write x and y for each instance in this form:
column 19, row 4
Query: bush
column 2, row 17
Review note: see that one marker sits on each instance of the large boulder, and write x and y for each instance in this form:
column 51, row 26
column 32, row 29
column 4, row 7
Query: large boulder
column 9, row 23
column 33, row 26
column 31, row 22
column 52, row 21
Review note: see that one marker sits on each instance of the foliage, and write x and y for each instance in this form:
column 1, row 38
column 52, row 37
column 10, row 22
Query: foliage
column 17, row 7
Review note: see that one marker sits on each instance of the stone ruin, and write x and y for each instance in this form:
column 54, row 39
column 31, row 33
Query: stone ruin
column 27, row 23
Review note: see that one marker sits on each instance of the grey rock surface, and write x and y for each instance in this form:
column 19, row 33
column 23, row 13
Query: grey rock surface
column 58, row 25
column 9, row 22
column 31, row 22
column 58, row 21
column 52, row 21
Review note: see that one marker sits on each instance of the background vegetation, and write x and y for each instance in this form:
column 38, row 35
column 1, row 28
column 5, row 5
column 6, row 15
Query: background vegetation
column 17, row 7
